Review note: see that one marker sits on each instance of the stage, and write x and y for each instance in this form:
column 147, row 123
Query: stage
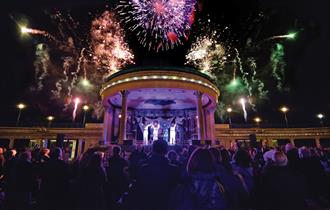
column 147, row 104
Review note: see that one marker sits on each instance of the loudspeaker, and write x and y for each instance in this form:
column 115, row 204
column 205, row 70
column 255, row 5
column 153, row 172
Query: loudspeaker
column 196, row 142
column 208, row 142
column 253, row 140
column 60, row 140
column 128, row 142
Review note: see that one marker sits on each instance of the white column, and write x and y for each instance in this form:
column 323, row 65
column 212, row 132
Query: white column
column 107, row 124
column 123, row 119
column 212, row 125
column 200, row 115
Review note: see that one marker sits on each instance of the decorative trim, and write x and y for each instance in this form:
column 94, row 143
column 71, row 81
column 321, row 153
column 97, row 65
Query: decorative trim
column 158, row 77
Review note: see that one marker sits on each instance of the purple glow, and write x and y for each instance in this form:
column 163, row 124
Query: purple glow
column 160, row 24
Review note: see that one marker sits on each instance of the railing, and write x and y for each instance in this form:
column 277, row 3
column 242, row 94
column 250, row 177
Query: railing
column 233, row 125
column 275, row 125
column 45, row 125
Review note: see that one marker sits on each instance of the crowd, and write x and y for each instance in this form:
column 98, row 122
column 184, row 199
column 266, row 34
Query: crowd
column 154, row 178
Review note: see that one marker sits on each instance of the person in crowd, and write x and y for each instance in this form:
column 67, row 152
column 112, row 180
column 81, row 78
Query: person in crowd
column 269, row 156
column 136, row 159
column 54, row 181
column 93, row 181
column 2, row 160
column 155, row 181
column 314, row 173
column 202, row 190
column 24, row 179
column 9, row 179
column 242, row 165
column 226, row 159
column 281, row 188
column 293, row 157
column 117, row 179
column 233, row 184
column 173, row 158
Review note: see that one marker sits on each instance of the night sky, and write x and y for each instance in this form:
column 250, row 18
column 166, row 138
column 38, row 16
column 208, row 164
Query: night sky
column 308, row 57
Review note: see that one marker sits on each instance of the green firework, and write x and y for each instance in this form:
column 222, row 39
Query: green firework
column 278, row 64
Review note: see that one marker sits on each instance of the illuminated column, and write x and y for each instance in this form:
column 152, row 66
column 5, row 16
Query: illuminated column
column 80, row 149
column 209, row 124
column 115, row 123
column 123, row 119
column 200, row 115
column 107, row 124
column 212, row 125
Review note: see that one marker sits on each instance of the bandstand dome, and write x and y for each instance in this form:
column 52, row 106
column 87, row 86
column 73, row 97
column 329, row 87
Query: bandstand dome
column 163, row 92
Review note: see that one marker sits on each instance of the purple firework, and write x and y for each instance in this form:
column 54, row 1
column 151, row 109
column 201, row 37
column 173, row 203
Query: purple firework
column 159, row 24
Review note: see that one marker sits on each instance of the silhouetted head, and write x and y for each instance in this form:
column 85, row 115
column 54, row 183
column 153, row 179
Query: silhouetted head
column 242, row 158
column 304, row 152
column 172, row 155
column 116, row 150
column 216, row 154
column 280, row 159
column 25, row 156
column 56, row 153
column 159, row 147
column 96, row 159
column 201, row 161
column 289, row 147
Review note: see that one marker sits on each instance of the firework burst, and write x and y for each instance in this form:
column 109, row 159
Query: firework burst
column 158, row 24
column 237, row 67
column 109, row 48
column 207, row 54
column 82, row 60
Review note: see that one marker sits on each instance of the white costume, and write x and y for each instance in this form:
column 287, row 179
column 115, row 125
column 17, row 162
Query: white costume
column 145, row 134
column 155, row 132
column 172, row 134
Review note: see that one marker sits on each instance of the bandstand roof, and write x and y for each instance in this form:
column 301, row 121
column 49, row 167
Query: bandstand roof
column 157, row 68
column 159, row 88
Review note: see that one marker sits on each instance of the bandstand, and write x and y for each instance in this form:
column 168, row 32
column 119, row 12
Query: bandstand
column 140, row 99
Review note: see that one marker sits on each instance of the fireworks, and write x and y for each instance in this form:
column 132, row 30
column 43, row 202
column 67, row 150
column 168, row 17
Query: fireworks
column 159, row 24
column 206, row 54
column 32, row 31
column 108, row 45
column 25, row 30
column 76, row 103
column 72, row 61
column 242, row 101
column 238, row 66
column 291, row 36
column 278, row 64
column 41, row 64
column 85, row 60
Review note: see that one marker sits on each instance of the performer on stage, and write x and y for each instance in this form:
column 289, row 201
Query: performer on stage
column 172, row 133
column 145, row 127
column 156, row 128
